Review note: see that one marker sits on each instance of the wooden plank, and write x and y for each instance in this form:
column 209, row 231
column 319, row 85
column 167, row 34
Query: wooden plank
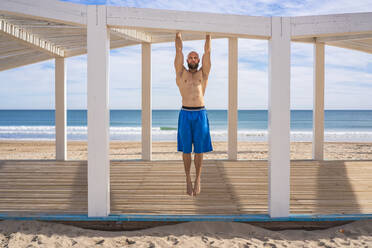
column 330, row 25
column 170, row 21
column 60, row 109
column 232, row 139
column 132, row 34
column 53, row 10
column 29, row 39
column 146, row 103
column 159, row 188
column 279, row 117
column 16, row 61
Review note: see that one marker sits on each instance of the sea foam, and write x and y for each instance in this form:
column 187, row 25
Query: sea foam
column 170, row 134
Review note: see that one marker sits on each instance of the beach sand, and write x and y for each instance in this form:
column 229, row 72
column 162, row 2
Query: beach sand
column 119, row 150
column 190, row 234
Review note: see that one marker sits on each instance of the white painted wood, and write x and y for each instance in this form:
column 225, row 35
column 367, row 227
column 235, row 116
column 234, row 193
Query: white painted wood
column 146, row 102
column 344, row 37
column 113, row 45
column 331, row 25
column 26, row 59
column 354, row 45
column 131, row 34
column 171, row 20
column 279, row 117
column 304, row 40
column 98, row 112
column 52, row 10
column 29, row 39
column 318, row 102
column 71, row 13
column 60, row 106
column 233, row 100
column 118, row 40
column 185, row 37
column 62, row 28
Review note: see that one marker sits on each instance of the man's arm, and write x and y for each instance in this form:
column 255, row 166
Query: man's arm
column 178, row 61
column 206, row 66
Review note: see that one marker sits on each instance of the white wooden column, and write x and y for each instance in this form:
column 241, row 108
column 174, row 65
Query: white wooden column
column 233, row 100
column 60, row 109
column 98, row 112
column 279, row 117
column 318, row 102
column 146, row 102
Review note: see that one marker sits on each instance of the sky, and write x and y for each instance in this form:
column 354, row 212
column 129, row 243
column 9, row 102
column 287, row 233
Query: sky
column 348, row 73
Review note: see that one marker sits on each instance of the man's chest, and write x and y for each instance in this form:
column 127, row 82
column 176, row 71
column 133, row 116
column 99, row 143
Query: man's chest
column 191, row 79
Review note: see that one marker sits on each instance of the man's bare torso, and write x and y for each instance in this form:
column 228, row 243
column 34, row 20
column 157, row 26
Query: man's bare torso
column 192, row 87
column 192, row 82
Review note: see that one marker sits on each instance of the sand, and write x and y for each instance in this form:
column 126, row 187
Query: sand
column 190, row 234
column 77, row 150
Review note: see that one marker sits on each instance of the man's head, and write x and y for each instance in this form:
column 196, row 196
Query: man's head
column 193, row 60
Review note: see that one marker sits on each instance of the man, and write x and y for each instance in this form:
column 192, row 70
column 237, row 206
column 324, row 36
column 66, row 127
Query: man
column 193, row 123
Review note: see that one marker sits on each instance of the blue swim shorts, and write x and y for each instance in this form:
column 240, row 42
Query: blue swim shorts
column 193, row 128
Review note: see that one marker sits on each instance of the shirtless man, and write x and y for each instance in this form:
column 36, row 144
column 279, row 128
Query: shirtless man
column 193, row 123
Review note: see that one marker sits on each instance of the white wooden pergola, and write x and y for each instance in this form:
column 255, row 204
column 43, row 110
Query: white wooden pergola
column 40, row 30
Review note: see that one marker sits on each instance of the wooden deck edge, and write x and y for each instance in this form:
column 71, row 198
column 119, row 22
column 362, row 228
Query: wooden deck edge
column 140, row 225
column 137, row 222
column 182, row 218
column 209, row 161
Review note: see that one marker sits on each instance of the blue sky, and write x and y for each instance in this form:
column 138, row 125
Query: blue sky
column 348, row 73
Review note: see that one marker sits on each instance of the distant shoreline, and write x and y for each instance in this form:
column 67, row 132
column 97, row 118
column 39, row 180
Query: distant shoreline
column 121, row 150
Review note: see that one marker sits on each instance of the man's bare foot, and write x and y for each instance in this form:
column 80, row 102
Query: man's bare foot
column 189, row 187
column 196, row 186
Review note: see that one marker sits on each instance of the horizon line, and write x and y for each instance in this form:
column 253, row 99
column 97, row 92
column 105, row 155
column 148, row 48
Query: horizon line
column 180, row 108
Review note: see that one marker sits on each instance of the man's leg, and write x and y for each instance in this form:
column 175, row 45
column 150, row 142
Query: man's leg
column 187, row 164
column 198, row 160
column 184, row 144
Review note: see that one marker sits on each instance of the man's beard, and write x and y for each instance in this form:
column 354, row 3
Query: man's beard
column 193, row 66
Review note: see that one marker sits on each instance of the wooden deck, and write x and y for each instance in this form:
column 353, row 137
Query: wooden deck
column 158, row 187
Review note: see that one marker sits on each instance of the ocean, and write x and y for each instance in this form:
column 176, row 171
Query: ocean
column 125, row 125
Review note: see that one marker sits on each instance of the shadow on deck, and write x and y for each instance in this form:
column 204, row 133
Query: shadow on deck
column 158, row 187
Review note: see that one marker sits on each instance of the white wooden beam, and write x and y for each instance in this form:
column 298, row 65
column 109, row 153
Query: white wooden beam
column 98, row 39
column 185, row 37
column 146, row 102
column 233, row 100
column 29, row 39
column 17, row 61
column 318, row 102
column 304, row 40
column 75, row 52
column 60, row 109
column 199, row 22
column 331, row 25
column 12, row 51
column 279, row 117
column 52, row 10
column 113, row 45
column 355, row 42
column 354, row 45
column 344, row 38
column 131, row 34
